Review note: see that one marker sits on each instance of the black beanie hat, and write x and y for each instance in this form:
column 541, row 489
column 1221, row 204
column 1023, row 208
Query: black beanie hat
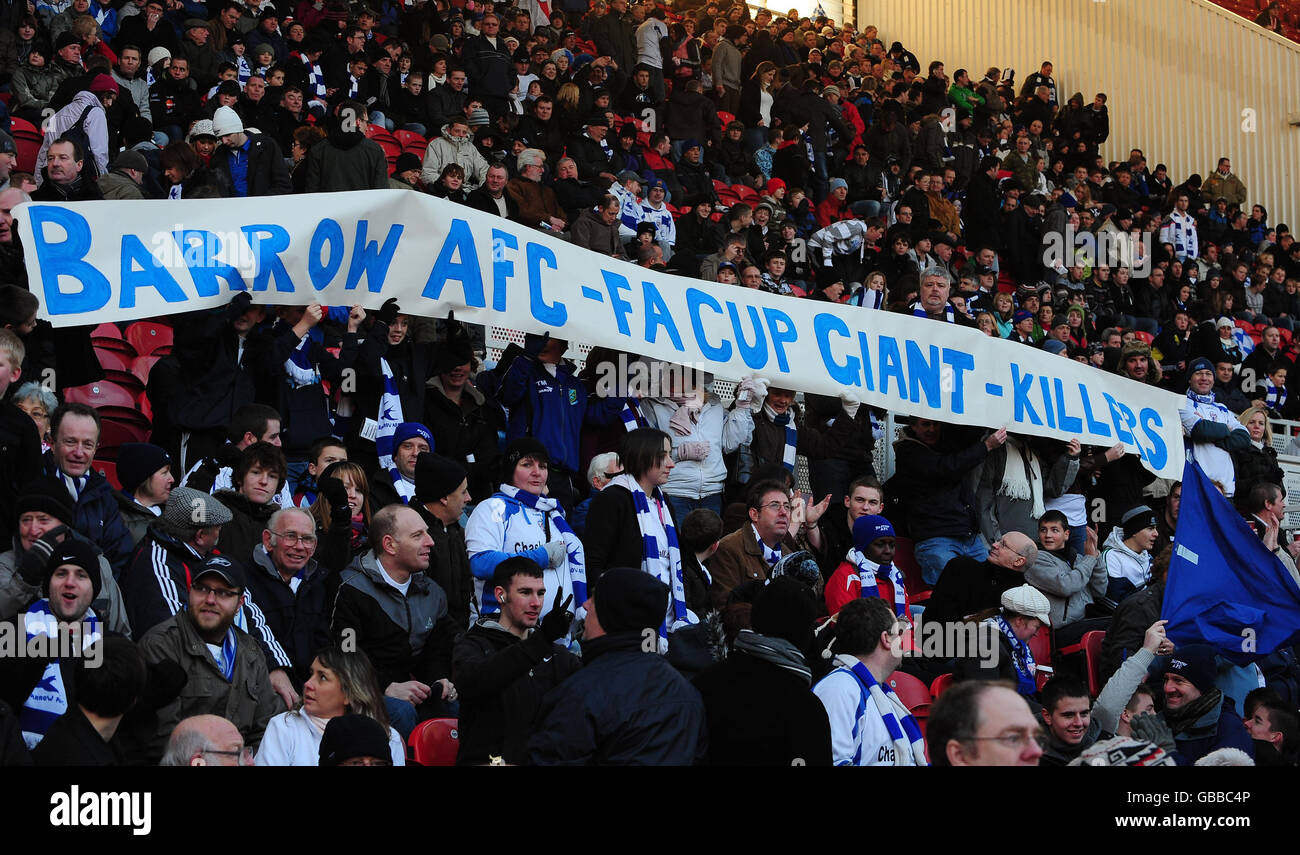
column 524, row 446
column 1137, row 519
column 73, row 550
column 48, row 495
column 136, row 463
column 786, row 609
column 629, row 600
column 436, row 476
column 350, row 736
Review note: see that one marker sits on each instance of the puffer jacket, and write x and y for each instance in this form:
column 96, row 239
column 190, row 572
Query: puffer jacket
column 406, row 636
column 1069, row 581
column 502, row 679
column 34, row 87
column 723, row 430
column 1128, row 570
column 447, row 149
column 246, row 700
column 624, row 708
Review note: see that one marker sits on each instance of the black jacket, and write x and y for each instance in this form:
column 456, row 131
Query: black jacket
column 466, row 430
column 97, row 518
column 300, row 620
column 968, row 586
column 73, row 741
column 489, row 67
column 20, row 462
column 267, row 174
column 481, row 200
column 624, row 708
column 762, row 715
column 449, row 565
column 588, row 155
column 979, row 212
column 243, row 534
column 217, row 380
column 821, row 115
column 502, row 679
column 406, row 637
column 938, row 503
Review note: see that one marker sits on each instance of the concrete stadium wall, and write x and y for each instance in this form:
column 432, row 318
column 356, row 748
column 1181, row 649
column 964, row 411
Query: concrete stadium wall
column 1187, row 82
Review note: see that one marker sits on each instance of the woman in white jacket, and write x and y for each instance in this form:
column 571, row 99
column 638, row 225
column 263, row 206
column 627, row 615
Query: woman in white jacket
column 339, row 683
column 702, row 430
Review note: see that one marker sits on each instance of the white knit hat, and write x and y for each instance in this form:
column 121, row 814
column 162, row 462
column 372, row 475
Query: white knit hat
column 226, row 121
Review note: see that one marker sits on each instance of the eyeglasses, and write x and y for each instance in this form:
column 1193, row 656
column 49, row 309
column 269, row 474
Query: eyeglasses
column 779, row 506
column 244, row 754
column 1015, row 741
column 223, row 594
column 294, row 538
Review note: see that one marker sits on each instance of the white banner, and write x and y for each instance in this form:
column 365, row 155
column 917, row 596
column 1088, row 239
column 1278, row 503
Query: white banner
column 93, row 262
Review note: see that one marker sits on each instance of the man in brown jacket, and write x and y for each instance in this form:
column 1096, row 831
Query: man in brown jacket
column 597, row 230
column 224, row 666
column 750, row 552
column 537, row 203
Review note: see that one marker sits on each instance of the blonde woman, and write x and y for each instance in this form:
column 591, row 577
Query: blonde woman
column 340, row 683
column 1257, row 462
column 872, row 294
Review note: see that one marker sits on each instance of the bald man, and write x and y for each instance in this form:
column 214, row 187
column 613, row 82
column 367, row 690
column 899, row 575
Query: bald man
column 206, row 740
column 968, row 586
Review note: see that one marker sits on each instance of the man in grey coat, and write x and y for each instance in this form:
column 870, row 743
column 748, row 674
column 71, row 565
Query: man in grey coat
column 1071, row 581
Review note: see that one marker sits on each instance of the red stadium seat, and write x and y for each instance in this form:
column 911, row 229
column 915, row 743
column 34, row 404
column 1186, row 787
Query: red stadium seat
column 721, row 186
column 1144, row 336
column 115, row 429
column 106, row 331
column 100, row 394
column 905, row 560
column 108, row 469
column 411, row 141
column 435, row 742
column 27, row 139
column 940, row 685
column 1041, row 646
column 911, row 691
column 142, row 365
column 147, row 336
column 125, row 379
column 1092, row 658
column 748, row 195
column 116, row 360
column 726, row 118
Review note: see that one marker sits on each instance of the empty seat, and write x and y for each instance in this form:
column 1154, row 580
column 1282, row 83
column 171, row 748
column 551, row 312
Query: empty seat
column 435, row 742
column 147, row 336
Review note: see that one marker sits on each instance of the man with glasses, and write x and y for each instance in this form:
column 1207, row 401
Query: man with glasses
column 753, row 550
column 870, row 726
column 538, row 206
column 156, row 582
column 206, row 740
column 289, row 584
column 224, row 668
column 75, row 432
column 983, row 723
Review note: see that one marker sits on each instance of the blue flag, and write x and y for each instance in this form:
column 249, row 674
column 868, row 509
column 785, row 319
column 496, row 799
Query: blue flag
column 1224, row 587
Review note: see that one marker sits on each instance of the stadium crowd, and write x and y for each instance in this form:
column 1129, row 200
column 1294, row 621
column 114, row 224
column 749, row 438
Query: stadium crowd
column 340, row 527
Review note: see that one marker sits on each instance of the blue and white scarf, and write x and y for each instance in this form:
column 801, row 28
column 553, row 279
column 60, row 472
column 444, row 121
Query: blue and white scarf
column 390, row 416
column 74, row 483
column 867, row 572
column 868, row 298
column 949, row 314
column 631, row 414
column 49, row 699
column 1274, row 396
column 1021, row 657
column 243, row 71
column 770, row 555
column 909, row 744
column 315, row 77
column 786, row 420
column 662, row 560
column 226, row 664
column 550, row 510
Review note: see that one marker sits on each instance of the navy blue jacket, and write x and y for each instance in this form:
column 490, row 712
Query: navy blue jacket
column 98, row 519
column 624, row 708
column 300, row 620
column 552, row 409
column 1216, row 729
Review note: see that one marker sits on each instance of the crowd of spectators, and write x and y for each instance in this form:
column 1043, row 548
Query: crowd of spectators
column 347, row 523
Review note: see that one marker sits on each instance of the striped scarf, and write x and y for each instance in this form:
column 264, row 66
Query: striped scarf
column 949, row 314
column 315, row 78
column 550, row 511
column 902, row 727
column 74, row 483
column 49, row 699
column 868, row 570
column 770, row 555
column 390, row 416
column 786, row 420
column 226, row 663
column 1021, row 656
column 242, row 71
column 631, row 414
column 1274, row 396
column 663, row 560
column 868, row 298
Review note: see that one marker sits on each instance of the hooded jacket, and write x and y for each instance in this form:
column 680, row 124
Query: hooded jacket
column 502, row 679
column 407, row 636
column 267, row 174
column 346, row 160
column 724, row 430
column 1128, row 570
column 1070, row 582
column 448, row 149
